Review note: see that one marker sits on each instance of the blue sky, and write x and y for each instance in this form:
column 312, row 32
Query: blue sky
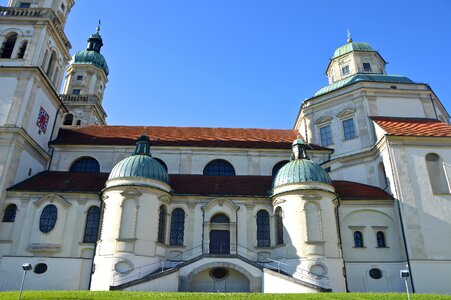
column 249, row 63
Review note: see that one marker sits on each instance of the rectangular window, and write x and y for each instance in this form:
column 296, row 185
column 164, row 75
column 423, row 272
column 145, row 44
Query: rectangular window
column 345, row 70
column 76, row 91
column 326, row 135
column 367, row 67
column 349, row 129
column 80, row 77
column 24, row 5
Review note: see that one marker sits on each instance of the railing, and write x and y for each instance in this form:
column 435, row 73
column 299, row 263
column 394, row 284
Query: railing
column 139, row 272
column 80, row 98
column 37, row 13
column 233, row 249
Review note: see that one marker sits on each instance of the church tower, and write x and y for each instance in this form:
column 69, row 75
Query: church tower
column 86, row 79
column 34, row 51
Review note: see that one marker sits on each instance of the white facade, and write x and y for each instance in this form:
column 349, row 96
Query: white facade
column 218, row 223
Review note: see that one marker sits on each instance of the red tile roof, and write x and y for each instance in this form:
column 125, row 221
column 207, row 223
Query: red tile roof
column 348, row 190
column 413, row 126
column 52, row 181
column 179, row 136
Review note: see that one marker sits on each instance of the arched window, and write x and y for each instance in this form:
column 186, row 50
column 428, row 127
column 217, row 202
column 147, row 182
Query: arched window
column 48, row 218
column 85, row 165
column 22, row 49
column 92, row 225
column 68, row 119
column 279, row 226
column 219, row 167
column 277, row 167
column 220, row 218
column 358, row 239
column 10, row 213
column 177, row 227
column 8, row 45
column 162, row 224
column 380, row 237
column 437, row 175
column 51, row 65
column 161, row 163
column 263, row 234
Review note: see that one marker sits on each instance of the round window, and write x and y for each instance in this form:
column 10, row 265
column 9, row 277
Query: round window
column 219, row 273
column 318, row 270
column 40, row 268
column 123, row 267
column 376, row 273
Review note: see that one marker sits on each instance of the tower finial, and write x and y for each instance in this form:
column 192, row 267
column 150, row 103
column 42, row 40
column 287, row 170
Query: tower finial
column 98, row 27
column 349, row 37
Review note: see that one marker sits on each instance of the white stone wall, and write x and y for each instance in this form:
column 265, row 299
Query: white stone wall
column 68, row 259
column 178, row 160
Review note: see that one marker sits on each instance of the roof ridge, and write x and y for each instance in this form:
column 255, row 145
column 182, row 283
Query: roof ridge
column 187, row 127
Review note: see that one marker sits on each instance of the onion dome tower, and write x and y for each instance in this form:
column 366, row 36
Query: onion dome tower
column 86, row 79
column 135, row 193
column 304, row 208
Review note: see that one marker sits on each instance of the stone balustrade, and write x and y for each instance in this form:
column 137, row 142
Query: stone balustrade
column 37, row 13
column 91, row 98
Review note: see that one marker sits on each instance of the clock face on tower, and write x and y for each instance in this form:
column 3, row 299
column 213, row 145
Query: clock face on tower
column 43, row 119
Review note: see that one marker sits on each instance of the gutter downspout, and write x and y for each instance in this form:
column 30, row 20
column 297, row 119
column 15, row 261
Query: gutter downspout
column 98, row 236
column 203, row 229
column 339, row 241
column 400, row 212
column 236, row 229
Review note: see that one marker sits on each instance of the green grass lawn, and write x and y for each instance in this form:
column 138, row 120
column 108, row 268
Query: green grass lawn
column 42, row 295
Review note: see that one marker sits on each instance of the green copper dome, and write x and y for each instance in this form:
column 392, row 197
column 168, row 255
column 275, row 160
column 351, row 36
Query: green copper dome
column 352, row 46
column 92, row 56
column 88, row 57
column 140, row 164
column 301, row 169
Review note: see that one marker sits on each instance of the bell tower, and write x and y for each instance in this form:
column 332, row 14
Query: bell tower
column 34, row 51
column 86, row 79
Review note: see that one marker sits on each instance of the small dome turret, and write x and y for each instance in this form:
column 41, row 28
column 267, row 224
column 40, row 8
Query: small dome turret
column 140, row 164
column 92, row 56
column 300, row 169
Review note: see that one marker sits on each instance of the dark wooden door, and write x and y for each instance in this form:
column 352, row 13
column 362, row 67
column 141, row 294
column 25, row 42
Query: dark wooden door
column 219, row 242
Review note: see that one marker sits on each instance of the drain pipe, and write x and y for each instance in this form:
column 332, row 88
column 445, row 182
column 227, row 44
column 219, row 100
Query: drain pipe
column 340, row 240
column 400, row 210
column 236, row 230
column 91, row 272
column 203, row 228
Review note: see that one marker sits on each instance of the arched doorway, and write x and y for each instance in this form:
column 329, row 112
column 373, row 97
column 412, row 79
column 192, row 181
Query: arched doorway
column 220, row 280
column 219, row 234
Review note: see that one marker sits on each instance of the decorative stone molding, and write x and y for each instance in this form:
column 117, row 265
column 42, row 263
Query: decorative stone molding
column 53, row 198
column 164, row 199
column 131, row 193
column 311, row 196
column 346, row 113
column 220, row 202
column 43, row 247
column 278, row 201
column 323, row 120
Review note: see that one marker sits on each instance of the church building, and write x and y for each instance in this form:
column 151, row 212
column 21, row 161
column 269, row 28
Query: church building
column 355, row 192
